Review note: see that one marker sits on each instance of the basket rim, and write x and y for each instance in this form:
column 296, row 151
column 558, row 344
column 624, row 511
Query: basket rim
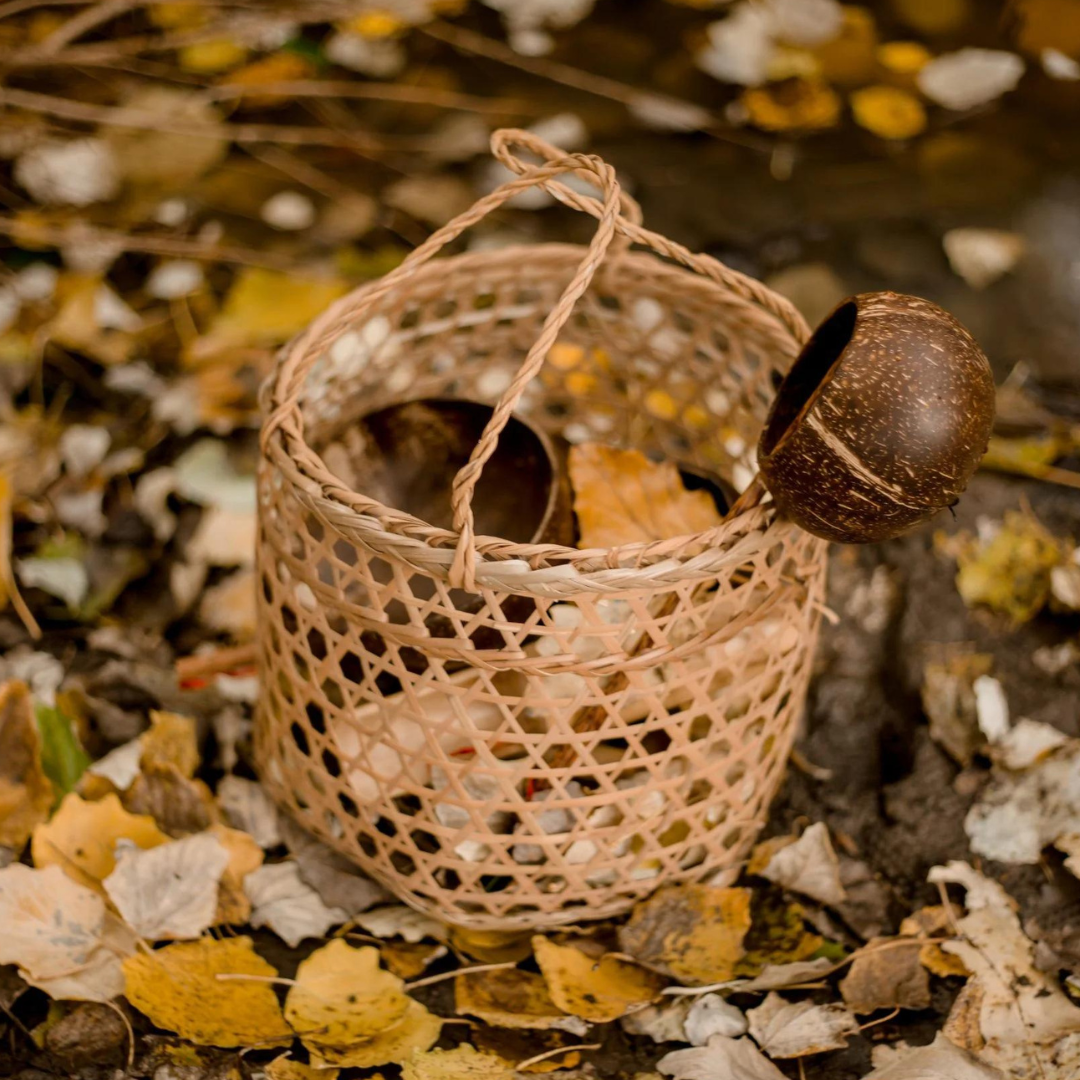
column 543, row 569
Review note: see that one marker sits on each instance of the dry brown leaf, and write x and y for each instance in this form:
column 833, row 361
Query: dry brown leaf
column 512, row 998
column 26, row 795
column 694, row 933
column 179, row 805
column 178, row 988
column 887, row 974
column 721, row 1059
column 513, row 1045
column 807, row 865
column 81, row 838
column 786, row 1029
column 621, row 497
column 599, row 990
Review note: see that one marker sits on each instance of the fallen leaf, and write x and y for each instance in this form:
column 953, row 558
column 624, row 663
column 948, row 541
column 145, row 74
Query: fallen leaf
column 888, row 111
column 101, row 978
column 793, row 105
column 55, row 929
column 693, row 933
column 169, row 891
column 172, row 740
column 432, row 199
column 782, row 976
column 417, row 1030
column 246, row 806
column 229, row 606
column 948, row 699
column 850, row 59
column 286, row 1068
column 179, row 805
column 245, row 856
column 26, row 794
column 720, row 1059
column 886, row 974
column 178, row 988
column 62, row 755
column 785, row 1029
column 341, row 997
column 462, row 1063
column 739, row 48
column 492, row 946
column 512, row 998
column 264, row 308
column 941, row 1060
column 81, row 838
column 982, row 256
column 808, row 866
column 397, row 920
column 337, row 881
column 970, row 77
column 778, row 933
column 1023, row 1016
column 281, row 900
column 410, row 961
column 663, row 1022
column 620, row 497
column 1009, row 569
column 598, row 990
column 1020, row 813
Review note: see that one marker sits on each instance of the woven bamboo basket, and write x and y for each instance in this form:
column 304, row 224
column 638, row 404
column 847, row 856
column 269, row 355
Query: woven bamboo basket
column 450, row 767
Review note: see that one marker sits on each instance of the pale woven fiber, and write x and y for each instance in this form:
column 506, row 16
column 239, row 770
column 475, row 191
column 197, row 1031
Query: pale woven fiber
column 448, row 766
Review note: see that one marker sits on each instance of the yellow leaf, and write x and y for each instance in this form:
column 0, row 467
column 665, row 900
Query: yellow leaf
column 75, row 324
column 170, row 740
column 210, row 57
column 1047, row 24
column 284, row 66
column 417, row 1030
column 178, row 988
column 933, row 16
column 1010, row 571
column 511, row 998
column 178, row 14
column 888, row 111
column 265, row 307
column 26, row 795
column 849, row 58
column 245, row 855
column 903, row 57
column 694, row 933
column 492, row 946
column 285, row 1068
column 407, row 959
column 462, row 1063
column 620, row 497
column 82, row 836
column 596, row 990
column 376, row 23
column 793, row 105
column 342, row 997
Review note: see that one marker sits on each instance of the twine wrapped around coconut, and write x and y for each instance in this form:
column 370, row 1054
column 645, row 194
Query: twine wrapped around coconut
column 448, row 765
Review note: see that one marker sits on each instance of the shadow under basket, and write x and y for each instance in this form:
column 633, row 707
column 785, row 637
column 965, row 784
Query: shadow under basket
column 447, row 764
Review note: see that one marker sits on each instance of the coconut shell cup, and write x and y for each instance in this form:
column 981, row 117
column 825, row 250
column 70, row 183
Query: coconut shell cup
column 881, row 422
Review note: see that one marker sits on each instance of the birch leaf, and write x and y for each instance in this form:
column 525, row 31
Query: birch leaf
column 720, row 1059
column 941, row 1060
column 887, row 975
column 512, row 998
column 169, row 891
column 621, row 497
column 81, row 838
column 247, row 806
column 178, row 988
column 462, row 1063
column 26, row 794
column 292, row 909
column 596, row 990
column 693, row 933
column 785, row 1029
column 808, row 866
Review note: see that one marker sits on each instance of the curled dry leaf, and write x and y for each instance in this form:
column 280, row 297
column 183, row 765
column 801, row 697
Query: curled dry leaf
column 281, row 900
column 247, row 806
column 808, row 866
column 786, row 1029
column 169, row 891
column 887, row 974
column 693, row 933
column 1013, row 1015
column 26, row 794
column 57, row 933
column 663, row 1022
column 598, row 990
column 462, row 1063
column 512, row 998
column 720, row 1059
column 941, row 1060
column 178, row 988
column 711, row 1015
column 621, row 497
column 81, row 838
column 397, row 920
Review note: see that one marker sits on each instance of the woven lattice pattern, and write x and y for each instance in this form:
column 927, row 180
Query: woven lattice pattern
column 419, row 683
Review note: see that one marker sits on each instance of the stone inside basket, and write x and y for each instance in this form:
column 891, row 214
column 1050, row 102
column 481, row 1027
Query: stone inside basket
column 420, row 681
